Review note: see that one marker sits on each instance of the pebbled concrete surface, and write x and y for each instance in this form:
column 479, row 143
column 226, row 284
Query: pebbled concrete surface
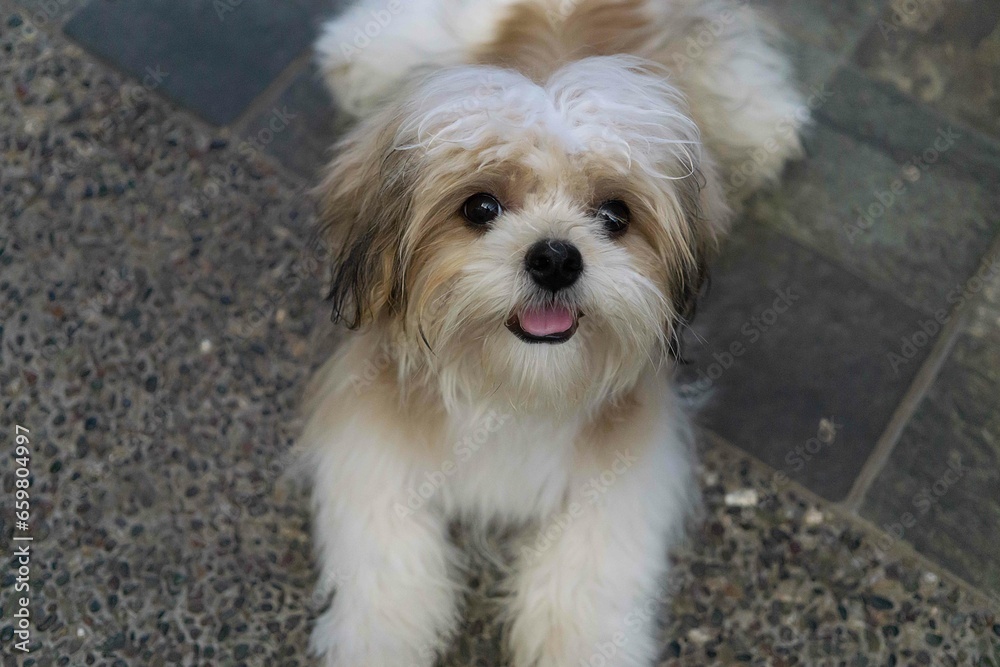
column 161, row 309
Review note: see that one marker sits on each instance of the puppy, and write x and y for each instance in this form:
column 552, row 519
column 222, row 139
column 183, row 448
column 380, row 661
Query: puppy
column 523, row 216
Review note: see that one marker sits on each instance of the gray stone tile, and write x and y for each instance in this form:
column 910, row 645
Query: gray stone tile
column 300, row 128
column 916, row 228
column 43, row 13
column 812, row 65
column 944, row 53
column 878, row 114
column 808, row 390
column 834, row 26
column 939, row 488
column 213, row 57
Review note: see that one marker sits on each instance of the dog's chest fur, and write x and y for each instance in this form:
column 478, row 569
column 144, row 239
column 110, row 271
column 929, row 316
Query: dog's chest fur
column 507, row 467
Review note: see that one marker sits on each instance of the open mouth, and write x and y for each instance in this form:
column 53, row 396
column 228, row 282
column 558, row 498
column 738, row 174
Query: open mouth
column 549, row 324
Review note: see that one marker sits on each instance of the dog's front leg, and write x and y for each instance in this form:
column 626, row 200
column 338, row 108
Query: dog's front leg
column 392, row 567
column 586, row 588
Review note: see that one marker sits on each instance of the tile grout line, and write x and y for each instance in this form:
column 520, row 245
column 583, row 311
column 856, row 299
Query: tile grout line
column 272, row 92
column 903, row 549
column 907, row 406
column 918, row 389
column 900, row 548
column 241, row 125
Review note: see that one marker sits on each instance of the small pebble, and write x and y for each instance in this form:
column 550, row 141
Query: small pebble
column 206, row 346
column 742, row 498
column 813, row 517
column 698, row 635
column 827, row 430
column 881, row 603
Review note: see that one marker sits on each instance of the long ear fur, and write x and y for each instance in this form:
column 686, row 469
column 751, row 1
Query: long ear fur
column 708, row 217
column 365, row 203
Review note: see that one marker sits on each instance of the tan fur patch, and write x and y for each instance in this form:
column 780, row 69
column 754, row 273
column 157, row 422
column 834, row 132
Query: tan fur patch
column 536, row 40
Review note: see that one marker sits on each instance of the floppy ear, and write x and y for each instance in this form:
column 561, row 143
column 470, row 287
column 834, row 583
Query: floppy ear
column 365, row 204
column 707, row 216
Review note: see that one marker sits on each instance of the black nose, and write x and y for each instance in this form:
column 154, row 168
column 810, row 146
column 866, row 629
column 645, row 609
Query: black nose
column 553, row 264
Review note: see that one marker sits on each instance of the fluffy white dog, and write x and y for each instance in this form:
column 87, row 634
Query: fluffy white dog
column 523, row 217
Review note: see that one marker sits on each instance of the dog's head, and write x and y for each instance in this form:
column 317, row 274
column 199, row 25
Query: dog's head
column 545, row 241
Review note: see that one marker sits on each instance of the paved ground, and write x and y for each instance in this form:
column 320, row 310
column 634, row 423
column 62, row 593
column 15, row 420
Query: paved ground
column 161, row 308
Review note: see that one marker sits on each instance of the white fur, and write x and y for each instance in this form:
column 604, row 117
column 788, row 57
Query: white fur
column 719, row 53
column 505, row 430
column 613, row 105
column 594, row 556
column 367, row 52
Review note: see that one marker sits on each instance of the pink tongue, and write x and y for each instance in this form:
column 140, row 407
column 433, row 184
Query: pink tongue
column 547, row 321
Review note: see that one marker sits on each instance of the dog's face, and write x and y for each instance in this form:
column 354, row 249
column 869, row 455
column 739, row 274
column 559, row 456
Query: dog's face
column 540, row 241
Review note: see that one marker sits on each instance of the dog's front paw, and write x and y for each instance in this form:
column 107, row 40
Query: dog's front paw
column 545, row 634
column 539, row 640
column 339, row 642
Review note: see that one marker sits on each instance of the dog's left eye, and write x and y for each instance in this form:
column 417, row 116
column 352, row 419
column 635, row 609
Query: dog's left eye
column 481, row 209
column 615, row 216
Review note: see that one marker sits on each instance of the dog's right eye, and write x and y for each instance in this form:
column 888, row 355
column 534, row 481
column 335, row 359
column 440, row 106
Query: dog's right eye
column 481, row 209
column 615, row 216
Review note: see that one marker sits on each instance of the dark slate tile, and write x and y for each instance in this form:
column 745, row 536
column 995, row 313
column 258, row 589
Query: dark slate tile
column 214, row 57
column 878, row 114
column 916, row 228
column 812, row 65
column 42, row 13
column 808, row 390
column 834, row 26
column 300, row 127
column 938, row 490
column 944, row 53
